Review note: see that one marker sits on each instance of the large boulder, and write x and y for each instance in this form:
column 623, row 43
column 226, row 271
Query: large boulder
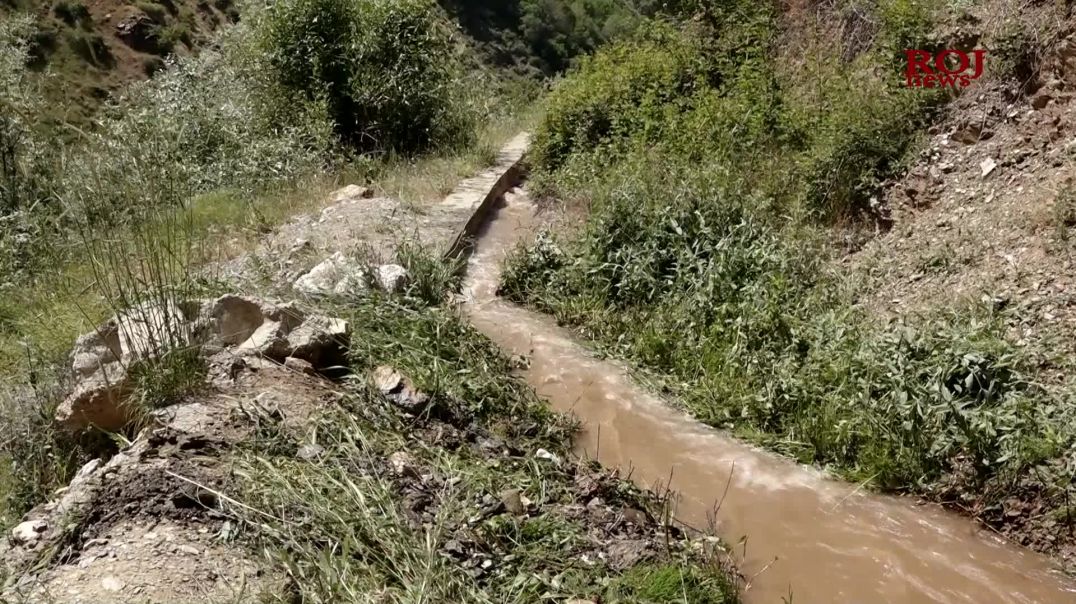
column 340, row 275
column 335, row 275
column 102, row 358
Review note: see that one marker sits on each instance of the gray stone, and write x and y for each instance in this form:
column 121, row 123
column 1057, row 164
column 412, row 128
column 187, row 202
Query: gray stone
column 403, row 464
column 334, row 275
column 101, row 359
column 28, row 533
column 300, row 365
column 392, row 278
column 352, row 192
column 399, row 390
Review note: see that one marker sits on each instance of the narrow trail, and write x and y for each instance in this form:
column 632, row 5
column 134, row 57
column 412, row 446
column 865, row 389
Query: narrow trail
column 820, row 540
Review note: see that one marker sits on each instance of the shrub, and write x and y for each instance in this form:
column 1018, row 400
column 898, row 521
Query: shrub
column 664, row 86
column 171, row 35
column 388, row 72
column 1016, row 53
column 153, row 10
column 71, row 12
column 200, row 124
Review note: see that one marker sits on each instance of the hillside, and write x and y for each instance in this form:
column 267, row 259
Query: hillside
column 570, row 301
column 983, row 218
column 93, row 49
column 803, row 250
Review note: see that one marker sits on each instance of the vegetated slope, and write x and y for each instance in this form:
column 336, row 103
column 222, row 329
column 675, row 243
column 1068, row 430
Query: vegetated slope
column 215, row 147
column 93, row 48
column 727, row 161
column 430, row 473
column 543, row 36
column 985, row 217
column 340, row 492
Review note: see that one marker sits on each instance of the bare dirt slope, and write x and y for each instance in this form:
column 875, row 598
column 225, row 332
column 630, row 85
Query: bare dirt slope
column 93, row 48
column 986, row 214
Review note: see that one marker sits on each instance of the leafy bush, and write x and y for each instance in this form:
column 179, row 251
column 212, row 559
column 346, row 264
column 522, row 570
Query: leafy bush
column 543, row 36
column 821, row 138
column 153, row 10
column 200, row 124
column 71, row 12
column 709, row 168
column 388, row 72
column 172, row 34
column 664, row 86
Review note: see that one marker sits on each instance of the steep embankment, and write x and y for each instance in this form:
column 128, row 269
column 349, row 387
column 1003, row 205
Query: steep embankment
column 984, row 218
column 720, row 185
column 94, row 48
column 804, row 534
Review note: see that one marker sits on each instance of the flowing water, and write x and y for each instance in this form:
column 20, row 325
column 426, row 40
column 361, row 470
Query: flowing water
column 820, row 540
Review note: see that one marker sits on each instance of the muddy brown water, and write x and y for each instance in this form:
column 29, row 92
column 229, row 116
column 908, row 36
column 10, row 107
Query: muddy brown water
column 819, row 539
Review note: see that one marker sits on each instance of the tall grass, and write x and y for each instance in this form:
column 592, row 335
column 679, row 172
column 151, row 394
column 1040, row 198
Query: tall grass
column 180, row 171
column 347, row 524
column 712, row 175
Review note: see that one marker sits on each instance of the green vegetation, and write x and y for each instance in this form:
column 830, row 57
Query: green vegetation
column 387, row 72
column 542, row 36
column 714, row 161
column 404, row 531
column 72, row 12
column 188, row 168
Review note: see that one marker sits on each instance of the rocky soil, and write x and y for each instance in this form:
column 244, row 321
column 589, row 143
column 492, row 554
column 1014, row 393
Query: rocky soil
column 985, row 216
column 162, row 517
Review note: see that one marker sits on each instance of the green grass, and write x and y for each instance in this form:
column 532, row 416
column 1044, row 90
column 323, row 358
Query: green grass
column 705, row 259
column 345, row 524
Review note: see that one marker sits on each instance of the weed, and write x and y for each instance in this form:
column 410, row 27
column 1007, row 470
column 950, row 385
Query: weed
column 166, row 378
column 1016, row 53
column 172, row 34
column 91, row 47
column 71, row 12
column 669, row 583
column 153, row 10
column 36, row 457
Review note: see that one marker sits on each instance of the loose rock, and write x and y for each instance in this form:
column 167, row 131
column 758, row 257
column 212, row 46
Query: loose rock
column 101, row 360
column 28, row 533
column 512, row 500
column 334, row 275
column 392, row 278
column 399, row 390
column 403, row 464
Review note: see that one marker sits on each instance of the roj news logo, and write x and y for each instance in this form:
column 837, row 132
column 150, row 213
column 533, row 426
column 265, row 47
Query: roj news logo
column 950, row 67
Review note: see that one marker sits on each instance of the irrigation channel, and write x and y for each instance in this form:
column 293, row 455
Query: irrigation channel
column 818, row 539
